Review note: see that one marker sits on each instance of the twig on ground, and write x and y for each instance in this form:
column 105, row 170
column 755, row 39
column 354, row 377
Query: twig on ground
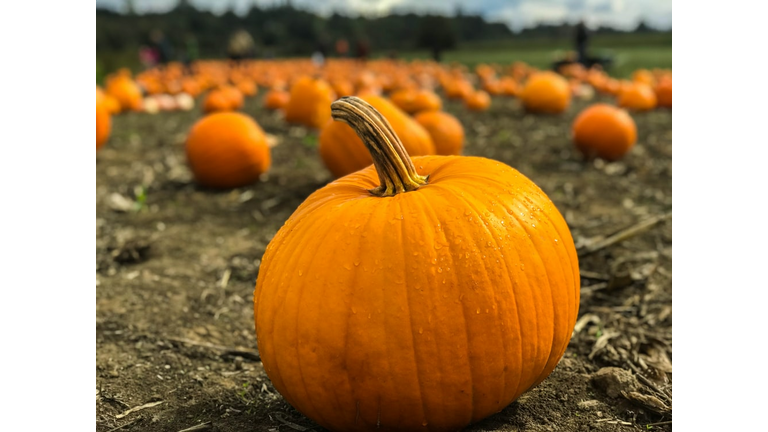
column 202, row 426
column 622, row 235
column 244, row 353
column 127, row 424
column 138, row 408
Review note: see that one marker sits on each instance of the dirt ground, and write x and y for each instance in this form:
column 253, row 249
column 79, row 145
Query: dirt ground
column 176, row 266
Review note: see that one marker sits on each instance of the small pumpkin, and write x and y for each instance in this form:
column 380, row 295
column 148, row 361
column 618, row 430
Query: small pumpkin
column 235, row 96
column 344, row 152
column 227, row 150
column 637, row 97
column 126, row 91
column 309, row 103
column 247, row 88
column 446, row 131
column 276, row 99
column 604, row 131
column 416, row 294
column 103, row 120
column 663, row 92
column 478, row 101
column 546, row 92
column 216, row 101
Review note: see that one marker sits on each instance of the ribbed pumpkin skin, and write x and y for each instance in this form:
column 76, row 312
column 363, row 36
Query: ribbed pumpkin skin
column 310, row 103
column 343, row 152
column 227, row 150
column 446, row 131
column 427, row 310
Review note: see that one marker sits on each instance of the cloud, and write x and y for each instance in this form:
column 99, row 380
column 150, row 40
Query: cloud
column 516, row 13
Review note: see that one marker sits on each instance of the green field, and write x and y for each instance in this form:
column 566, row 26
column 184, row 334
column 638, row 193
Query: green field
column 629, row 52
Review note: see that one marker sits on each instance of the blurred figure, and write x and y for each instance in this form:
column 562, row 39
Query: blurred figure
column 342, row 47
column 162, row 46
column 582, row 37
column 147, row 56
column 241, row 46
column 363, row 49
column 191, row 52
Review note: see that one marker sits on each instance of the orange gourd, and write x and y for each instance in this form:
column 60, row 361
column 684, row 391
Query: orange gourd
column 103, row 120
column 126, row 91
column 446, row 131
column 216, row 101
column 343, row 152
column 478, row 101
column 276, row 99
column 663, row 92
column 604, row 131
column 546, row 92
column 637, row 97
column 422, row 294
column 309, row 103
column 227, row 150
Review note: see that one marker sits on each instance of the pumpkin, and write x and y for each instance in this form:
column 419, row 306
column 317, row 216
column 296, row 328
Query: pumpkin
column 126, row 91
column 344, row 152
column 663, row 92
column 446, row 131
column 227, row 150
column 637, row 97
column 234, row 95
column 422, row 294
column 478, row 101
column 276, row 99
column 112, row 104
column 103, row 120
column 546, row 92
column 216, row 100
column 604, row 131
column 309, row 103
column 644, row 76
column 247, row 88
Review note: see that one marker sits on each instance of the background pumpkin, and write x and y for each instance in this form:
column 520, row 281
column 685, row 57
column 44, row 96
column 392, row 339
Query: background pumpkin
column 227, row 150
column 125, row 90
column 103, row 120
column 446, row 131
column 637, row 97
column 436, row 302
column 546, row 92
column 309, row 103
column 343, row 151
column 604, row 131
column 276, row 99
column 478, row 101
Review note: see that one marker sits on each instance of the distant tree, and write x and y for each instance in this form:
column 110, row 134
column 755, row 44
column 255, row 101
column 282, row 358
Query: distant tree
column 437, row 34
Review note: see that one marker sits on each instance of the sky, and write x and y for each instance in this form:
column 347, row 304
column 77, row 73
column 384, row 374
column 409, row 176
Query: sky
column 517, row 14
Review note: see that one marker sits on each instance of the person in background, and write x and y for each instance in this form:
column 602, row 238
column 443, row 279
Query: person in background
column 191, row 52
column 363, row 49
column 342, row 48
column 582, row 37
column 241, row 46
column 162, row 46
column 147, row 56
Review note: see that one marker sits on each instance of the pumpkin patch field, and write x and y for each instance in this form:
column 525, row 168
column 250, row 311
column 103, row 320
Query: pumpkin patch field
column 504, row 265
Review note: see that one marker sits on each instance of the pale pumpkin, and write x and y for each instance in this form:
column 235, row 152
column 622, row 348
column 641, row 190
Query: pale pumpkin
column 422, row 294
column 344, row 152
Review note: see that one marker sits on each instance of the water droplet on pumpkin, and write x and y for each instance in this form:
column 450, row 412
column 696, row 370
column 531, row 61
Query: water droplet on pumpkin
column 478, row 311
column 301, row 273
column 347, row 266
column 357, row 263
column 439, row 269
column 354, row 311
column 421, row 330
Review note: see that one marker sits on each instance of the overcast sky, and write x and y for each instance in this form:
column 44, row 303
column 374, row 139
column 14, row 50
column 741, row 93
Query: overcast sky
column 515, row 13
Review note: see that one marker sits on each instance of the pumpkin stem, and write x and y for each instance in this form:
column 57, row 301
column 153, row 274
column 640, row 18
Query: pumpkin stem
column 395, row 168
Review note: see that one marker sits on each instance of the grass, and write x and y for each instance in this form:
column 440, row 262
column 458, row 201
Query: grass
column 629, row 52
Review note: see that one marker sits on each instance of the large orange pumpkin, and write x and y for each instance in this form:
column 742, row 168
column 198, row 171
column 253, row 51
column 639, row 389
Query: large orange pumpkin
column 309, row 103
column 637, row 97
column 227, row 150
column 546, row 92
column 604, row 131
column 344, row 152
column 415, row 295
column 446, row 131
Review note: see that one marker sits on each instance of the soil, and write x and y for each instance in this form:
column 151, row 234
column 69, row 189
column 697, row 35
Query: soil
column 177, row 265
